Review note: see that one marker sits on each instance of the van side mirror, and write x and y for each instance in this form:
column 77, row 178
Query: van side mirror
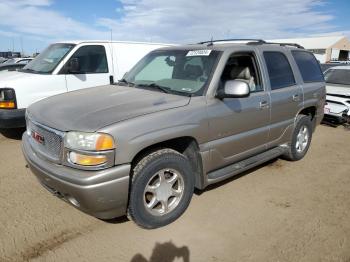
column 73, row 66
column 234, row 89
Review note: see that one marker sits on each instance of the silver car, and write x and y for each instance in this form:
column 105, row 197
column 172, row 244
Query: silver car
column 183, row 117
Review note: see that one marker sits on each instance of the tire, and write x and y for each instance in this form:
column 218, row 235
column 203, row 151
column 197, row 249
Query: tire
column 295, row 151
column 150, row 205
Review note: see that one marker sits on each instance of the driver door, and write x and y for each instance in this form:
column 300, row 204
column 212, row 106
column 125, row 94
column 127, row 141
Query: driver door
column 91, row 68
column 239, row 127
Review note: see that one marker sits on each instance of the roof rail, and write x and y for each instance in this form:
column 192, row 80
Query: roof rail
column 250, row 41
column 286, row 44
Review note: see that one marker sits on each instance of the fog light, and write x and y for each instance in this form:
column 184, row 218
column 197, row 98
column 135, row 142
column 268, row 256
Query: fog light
column 87, row 160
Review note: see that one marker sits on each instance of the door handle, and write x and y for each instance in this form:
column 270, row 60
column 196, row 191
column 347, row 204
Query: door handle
column 296, row 97
column 264, row 104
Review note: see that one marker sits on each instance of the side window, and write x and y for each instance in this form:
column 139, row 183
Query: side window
column 280, row 72
column 92, row 59
column 243, row 67
column 308, row 66
column 157, row 69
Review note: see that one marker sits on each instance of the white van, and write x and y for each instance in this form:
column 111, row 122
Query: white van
column 64, row 67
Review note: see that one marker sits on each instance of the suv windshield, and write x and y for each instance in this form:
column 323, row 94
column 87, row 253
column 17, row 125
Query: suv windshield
column 182, row 72
column 47, row 61
column 338, row 76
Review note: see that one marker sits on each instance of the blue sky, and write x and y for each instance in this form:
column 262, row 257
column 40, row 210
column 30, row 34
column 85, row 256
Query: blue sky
column 36, row 23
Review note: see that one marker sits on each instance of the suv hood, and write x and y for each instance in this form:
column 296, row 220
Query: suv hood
column 339, row 90
column 94, row 108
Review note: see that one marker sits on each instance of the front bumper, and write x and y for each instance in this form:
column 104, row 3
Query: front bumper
column 337, row 119
column 103, row 194
column 12, row 118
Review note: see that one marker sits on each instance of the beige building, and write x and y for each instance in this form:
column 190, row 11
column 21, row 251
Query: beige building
column 325, row 48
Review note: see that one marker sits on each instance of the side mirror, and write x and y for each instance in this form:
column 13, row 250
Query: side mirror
column 73, row 66
column 234, row 89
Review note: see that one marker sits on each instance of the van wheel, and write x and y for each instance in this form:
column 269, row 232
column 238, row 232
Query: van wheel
column 161, row 190
column 301, row 139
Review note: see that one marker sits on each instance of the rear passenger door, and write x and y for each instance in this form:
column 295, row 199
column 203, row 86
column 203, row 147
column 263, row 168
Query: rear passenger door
column 286, row 95
column 314, row 86
column 93, row 68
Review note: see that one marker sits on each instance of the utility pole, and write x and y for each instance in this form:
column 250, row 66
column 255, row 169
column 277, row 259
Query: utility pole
column 21, row 41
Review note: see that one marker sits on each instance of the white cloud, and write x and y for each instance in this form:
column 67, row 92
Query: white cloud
column 170, row 21
column 35, row 19
column 194, row 20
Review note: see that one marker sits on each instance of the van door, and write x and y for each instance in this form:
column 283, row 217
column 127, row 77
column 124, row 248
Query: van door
column 286, row 95
column 87, row 67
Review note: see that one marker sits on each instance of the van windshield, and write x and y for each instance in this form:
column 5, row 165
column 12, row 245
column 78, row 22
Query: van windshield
column 182, row 72
column 48, row 60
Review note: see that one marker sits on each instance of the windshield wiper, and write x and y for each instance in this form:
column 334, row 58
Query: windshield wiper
column 124, row 81
column 156, row 86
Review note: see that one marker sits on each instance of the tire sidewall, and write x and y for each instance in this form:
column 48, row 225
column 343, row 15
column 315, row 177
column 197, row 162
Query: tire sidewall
column 303, row 121
column 168, row 160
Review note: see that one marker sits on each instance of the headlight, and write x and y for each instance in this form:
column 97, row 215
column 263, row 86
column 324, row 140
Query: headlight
column 89, row 141
column 89, row 150
column 7, row 98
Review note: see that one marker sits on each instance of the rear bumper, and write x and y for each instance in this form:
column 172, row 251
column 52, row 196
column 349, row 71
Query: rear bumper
column 103, row 194
column 12, row 118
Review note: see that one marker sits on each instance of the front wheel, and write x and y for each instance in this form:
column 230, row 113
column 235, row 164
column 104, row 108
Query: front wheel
column 161, row 190
column 301, row 139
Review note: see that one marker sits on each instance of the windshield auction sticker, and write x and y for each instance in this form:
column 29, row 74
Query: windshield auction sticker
column 199, row 53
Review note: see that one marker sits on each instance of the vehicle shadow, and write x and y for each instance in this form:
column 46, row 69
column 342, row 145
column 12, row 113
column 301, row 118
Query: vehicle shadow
column 117, row 220
column 229, row 180
column 165, row 252
column 14, row 134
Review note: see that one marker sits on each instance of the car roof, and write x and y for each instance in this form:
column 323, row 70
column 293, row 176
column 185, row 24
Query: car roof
column 222, row 45
column 77, row 42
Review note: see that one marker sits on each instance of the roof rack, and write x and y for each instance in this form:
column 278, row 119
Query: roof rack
column 250, row 41
column 286, row 44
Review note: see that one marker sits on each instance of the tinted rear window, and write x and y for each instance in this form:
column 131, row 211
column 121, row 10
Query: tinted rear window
column 280, row 72
column 308, row 66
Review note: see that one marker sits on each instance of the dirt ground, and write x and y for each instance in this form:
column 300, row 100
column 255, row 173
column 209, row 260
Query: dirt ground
column 281, row 211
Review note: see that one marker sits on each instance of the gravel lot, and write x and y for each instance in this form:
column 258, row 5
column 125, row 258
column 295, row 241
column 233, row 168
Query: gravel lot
column 281, row 211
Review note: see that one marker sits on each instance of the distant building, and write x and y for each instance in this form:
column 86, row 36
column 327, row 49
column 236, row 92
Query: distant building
column 325, row 48
column 10, row 54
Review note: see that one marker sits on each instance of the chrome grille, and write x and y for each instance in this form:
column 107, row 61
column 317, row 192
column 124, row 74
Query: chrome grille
column 51, row 146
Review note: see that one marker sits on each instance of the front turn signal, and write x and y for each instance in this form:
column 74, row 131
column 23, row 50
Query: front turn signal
column 7, row 105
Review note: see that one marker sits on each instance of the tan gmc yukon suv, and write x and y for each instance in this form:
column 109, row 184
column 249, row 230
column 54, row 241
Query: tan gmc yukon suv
column 184, row 117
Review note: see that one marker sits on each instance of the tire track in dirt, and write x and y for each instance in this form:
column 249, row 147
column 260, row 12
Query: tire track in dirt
column 52, row 243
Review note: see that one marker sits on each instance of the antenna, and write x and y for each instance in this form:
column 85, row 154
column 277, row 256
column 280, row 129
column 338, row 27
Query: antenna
column 211, row 42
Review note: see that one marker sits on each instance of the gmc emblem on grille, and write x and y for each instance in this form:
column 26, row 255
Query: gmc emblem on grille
column 38, row 138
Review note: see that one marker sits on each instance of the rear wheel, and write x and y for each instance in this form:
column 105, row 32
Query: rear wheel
column 161, row 190
column 301, row 139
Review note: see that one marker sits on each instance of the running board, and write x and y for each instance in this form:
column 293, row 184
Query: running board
column 239, row 167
